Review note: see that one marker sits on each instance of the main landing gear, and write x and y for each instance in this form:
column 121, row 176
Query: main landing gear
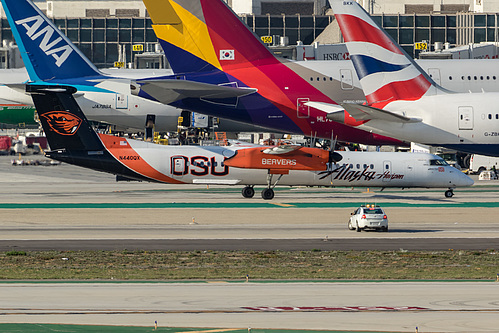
column 449, row 193
column 248, row 192
column 268, row 193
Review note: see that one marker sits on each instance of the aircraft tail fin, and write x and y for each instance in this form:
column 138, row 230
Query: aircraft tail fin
column 205, row 35
column 47, row 53
column 385, row 70
column 63, row 122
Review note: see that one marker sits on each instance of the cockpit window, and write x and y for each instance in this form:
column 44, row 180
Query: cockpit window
column 438, row 162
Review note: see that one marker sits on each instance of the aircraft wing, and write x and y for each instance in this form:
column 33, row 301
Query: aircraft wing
column 361, row 112
column 169, row 91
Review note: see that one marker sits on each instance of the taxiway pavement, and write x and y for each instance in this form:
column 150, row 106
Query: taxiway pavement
column 66, row 205
column 469, row 307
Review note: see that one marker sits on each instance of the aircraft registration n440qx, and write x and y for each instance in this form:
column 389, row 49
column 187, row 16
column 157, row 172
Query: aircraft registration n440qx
column 73, row 140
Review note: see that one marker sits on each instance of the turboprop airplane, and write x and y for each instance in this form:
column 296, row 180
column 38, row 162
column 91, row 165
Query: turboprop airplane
column 51, row 58
column 72, row 140
column 404, row 102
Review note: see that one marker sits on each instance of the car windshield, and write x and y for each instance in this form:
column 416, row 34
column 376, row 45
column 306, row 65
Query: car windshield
column 373, row 211
column 438, row 162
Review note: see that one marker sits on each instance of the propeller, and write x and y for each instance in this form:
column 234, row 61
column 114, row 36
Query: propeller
column 334, row 157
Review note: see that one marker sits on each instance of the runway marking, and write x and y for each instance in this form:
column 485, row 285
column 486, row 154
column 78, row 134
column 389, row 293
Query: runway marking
column 205, row 205
column 74, row 312
column 334, row 309
column 282, row 205
column 211, row 331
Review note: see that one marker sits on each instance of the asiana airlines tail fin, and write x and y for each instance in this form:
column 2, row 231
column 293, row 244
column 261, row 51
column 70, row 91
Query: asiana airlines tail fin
column 205, row 35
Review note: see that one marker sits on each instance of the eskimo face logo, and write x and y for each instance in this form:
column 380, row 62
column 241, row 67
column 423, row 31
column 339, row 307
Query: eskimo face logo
column 62, row 122
column 49, row 46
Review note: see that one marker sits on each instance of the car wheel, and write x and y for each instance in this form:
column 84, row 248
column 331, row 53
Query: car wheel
column 358, row 228
column 385, row 229
column 350, row 226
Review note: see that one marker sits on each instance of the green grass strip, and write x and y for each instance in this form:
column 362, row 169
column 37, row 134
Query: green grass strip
column 260, row 266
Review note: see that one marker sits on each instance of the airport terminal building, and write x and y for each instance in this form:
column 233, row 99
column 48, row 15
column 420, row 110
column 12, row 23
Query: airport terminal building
column 107, row 30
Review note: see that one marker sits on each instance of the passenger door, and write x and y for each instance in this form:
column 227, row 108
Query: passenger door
column 303, row 111
column 346, row 79
column 179, row 166
column 435, row 75
column 465, row 117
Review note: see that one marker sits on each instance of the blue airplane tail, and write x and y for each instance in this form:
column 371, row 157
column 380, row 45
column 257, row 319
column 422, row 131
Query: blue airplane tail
column 47, row 53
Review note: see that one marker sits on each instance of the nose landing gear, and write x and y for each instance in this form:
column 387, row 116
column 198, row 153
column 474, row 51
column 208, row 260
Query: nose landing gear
column 449, row 193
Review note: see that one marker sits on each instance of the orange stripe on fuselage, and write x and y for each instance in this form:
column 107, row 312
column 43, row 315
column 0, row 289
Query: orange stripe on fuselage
column 126, row 155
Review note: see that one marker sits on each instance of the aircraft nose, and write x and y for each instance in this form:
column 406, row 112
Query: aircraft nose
column 463, row 180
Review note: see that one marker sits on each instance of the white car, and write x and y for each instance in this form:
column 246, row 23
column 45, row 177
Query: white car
column 368, row 217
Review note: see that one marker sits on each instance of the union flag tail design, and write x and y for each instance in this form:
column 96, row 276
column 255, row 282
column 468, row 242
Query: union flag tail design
column 385, row 71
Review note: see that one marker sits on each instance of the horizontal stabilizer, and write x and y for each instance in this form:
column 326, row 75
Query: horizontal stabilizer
column 361, row 112
column 169, row 91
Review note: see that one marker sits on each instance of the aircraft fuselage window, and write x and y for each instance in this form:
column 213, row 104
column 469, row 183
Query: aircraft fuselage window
column 372, row 166
column 490, row 116
column 462, row 77
column 469, row 77
column 494, row 77
column 450, row 78
column 481, row 77
column 358, row 166
column 488, row 77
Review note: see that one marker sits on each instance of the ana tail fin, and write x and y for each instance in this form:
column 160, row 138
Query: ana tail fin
column 205, row 35
column 47, row 53
column 63, row 122
column 386, row 72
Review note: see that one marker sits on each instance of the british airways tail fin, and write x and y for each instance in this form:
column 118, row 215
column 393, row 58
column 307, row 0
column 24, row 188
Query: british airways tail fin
column 386, row 72
column 205, row 35
column 63, row 122
column 47, row 53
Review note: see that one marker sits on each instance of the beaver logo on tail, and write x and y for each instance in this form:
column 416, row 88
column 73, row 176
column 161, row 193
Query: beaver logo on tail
column 62, row 122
